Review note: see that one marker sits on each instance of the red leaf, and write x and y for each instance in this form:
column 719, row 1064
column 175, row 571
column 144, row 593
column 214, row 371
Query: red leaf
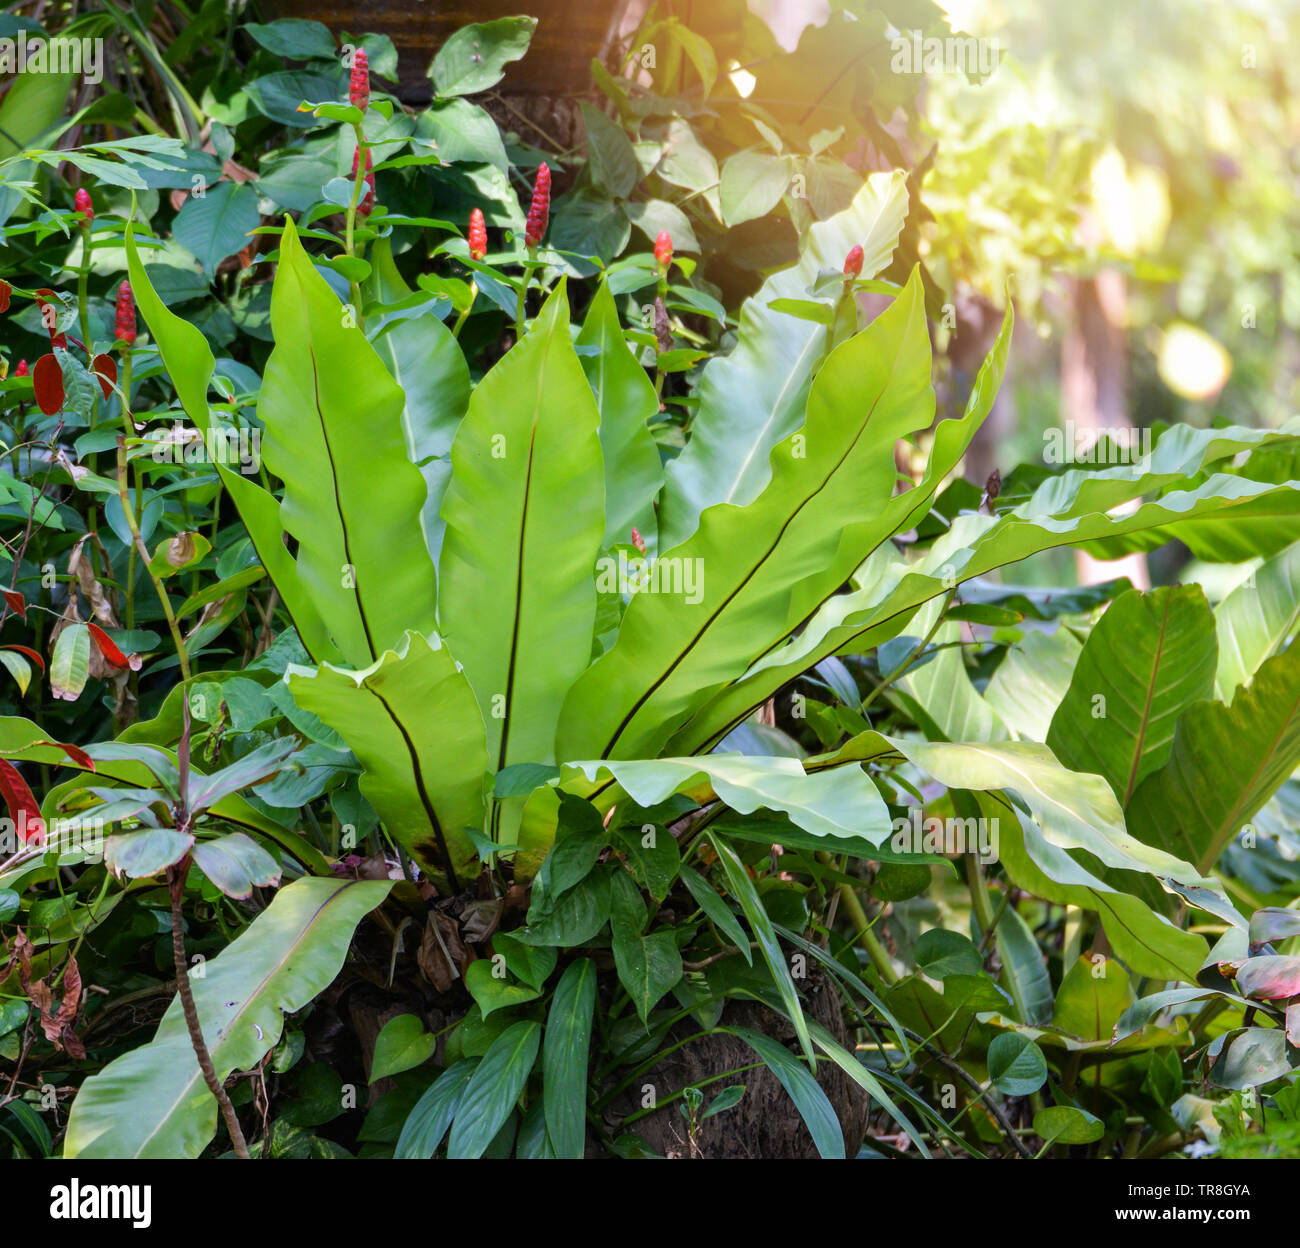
column 16, row 602
column 28, row 653
column 105, row 369
column 47, row 381
column 108, row 648
column 22, row 805
column 5, row 291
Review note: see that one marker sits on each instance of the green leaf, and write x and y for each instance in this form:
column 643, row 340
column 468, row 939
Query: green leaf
column 294, row 38
column 565, row 1049
column 426, row 361
column 626, row 402
column 428, row 1121
column 401, row 1045
column 754, row 398
column 1092, row 997
column 18, row 668
column 804, row 1090
column 1226, row 762
column 1146, row 661
column 1256, row 620
column 140, row 854
column 753, row 182
column 474, row 58
column 1023, row 968
column 278, row 95
column 412, row 722
column 833, row 802
column 717, row 910
column 742, row 889
column 494, row 992
column 70, row 663
column 648, row 965
column 461, row 131
column 610, row 158
column 524, row 515
column 493, row 1089
column 333, row 435
column 153, row 1101
column 189, row 362
column 236, row 864
column 218, row 223
column 763, row 568
column 1017, row 1066
column 1067, row 1124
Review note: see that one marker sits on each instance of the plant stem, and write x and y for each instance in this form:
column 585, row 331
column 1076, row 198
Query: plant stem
column 865, row 936
column 170, row 615
column 521, row 308
column 469, row 307
column 176, row 887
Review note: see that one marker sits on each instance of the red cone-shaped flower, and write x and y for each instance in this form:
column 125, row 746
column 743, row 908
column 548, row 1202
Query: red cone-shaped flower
column 359, row 85
column 22, row 370
column 664, row 250
column 853, row 262
column 539, row 213
column 83, row 204
column 477, row 234
column 124, row 323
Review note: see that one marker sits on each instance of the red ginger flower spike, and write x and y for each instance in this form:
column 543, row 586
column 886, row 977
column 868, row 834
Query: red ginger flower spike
column 368, row 199
column 853, row 262
column 22, row 370
column 477, row 234
column 539, row 212
column 124, row 324
column 84, row 206
column 664, row 250
column 637, row 540
column 359, row 85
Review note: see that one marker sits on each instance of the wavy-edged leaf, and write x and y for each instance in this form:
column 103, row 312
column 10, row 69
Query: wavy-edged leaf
column 627, row 402
column 976, row 544
column 153, row 1101
column 832, row 802
column 1147, row 660
column 412, row 721
column 753, row 399
column 564, row 1058
column 764, row 567
column 493, row 1089
column 426, row 361
column 334, row 435
column 525, row 516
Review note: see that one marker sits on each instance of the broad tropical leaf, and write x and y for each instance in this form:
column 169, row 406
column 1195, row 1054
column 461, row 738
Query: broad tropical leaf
column 412, row 721
column 753, row 399
column 1226, row 762
column 760, row 569
column 627, row 403
column 153, row 1102
column 1146, row 661
column 426, row 361
column 334, row 435
column 525, row 516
